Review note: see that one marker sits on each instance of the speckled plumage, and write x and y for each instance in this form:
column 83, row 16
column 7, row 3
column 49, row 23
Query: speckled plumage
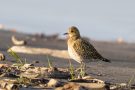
column 81, row 50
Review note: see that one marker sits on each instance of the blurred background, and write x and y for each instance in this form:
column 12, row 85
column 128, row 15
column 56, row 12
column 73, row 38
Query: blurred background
column 109, row 25
column 96, row 19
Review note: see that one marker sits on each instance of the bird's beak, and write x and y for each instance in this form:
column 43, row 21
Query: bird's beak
column 65, row 33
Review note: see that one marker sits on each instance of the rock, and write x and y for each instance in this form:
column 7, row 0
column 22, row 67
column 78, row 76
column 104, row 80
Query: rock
column 133, row 86
column 90, row 83
column 29, row 74
column 41, row 51
column 10, row 72
column 95, row 86
column 2, row 57
column 17, row 42
column 71, row 86
column 121, row 86
column 12, row 87
column 82, row 86
column 54, row 83
column 88, row 80
column 26, row 66
column 87, row 77
column 9, row 84
column 4, row 65
column 41, row 81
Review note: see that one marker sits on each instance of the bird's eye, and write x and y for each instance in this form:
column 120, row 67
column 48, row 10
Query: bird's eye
column 72, row 31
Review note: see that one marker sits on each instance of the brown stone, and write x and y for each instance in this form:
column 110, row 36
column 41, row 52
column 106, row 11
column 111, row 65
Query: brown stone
column 2, row 57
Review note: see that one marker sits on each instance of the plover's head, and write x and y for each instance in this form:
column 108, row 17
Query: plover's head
column 73, row 32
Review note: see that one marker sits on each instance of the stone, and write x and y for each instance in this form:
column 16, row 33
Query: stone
column 2, row 57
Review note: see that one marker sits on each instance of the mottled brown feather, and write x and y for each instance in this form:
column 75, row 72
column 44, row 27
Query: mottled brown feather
column 85, row 50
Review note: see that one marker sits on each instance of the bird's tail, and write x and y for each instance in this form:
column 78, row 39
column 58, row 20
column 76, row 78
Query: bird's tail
column 106, row 60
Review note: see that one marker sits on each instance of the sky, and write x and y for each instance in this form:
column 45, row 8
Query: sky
column 96, row 19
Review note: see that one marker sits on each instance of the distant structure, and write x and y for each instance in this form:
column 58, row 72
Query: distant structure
column 2, row 26
column 120, row 40
column 13, row 30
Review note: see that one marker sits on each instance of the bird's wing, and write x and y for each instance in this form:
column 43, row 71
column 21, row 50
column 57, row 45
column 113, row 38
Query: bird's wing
column 86, row 50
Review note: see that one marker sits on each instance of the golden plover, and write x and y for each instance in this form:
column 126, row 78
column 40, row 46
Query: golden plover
column 81, row 50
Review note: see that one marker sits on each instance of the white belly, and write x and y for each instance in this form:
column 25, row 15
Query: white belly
column 74, row 55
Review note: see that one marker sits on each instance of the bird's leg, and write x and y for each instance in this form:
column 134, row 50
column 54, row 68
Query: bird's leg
column 84, row 68
column 79, row 68
column 82, row 72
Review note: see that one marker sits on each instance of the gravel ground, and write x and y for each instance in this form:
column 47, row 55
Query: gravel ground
column 122, row 56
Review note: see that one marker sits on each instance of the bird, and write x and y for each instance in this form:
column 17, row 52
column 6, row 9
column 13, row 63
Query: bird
column 80, row 49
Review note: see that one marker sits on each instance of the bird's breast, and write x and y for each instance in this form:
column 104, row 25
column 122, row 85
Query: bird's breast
column 73, row 54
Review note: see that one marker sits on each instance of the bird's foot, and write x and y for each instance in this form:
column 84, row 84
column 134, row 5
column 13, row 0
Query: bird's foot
column 81, row 75
column 81, row 72
column 78, row 69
